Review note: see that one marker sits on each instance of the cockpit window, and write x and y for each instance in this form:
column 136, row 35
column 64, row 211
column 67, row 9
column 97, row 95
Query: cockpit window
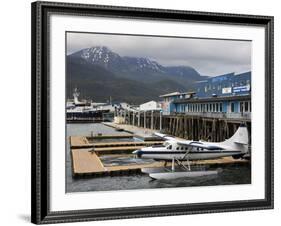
column 169, row 147
column 166, row 144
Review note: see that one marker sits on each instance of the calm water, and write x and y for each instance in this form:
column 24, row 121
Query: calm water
column 229, row 175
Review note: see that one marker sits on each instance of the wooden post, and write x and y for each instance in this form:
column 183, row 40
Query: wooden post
column 160, row 118
column 151, row 122
column 144, row 120
column 133, row 118
column 170, row 125
column 139, row 119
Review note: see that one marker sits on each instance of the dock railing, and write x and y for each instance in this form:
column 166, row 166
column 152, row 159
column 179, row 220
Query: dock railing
column 220, row 115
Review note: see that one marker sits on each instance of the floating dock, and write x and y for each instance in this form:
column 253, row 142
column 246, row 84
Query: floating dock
column 80, row 142
column 86, row 159
column 87, row 163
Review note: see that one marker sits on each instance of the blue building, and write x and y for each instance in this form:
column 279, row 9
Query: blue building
column 227, row 95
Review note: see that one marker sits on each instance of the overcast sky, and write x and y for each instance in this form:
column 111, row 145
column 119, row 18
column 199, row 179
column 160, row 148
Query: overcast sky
column 208, row 56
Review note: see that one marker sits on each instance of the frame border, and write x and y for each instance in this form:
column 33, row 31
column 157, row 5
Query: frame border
column 40, row 197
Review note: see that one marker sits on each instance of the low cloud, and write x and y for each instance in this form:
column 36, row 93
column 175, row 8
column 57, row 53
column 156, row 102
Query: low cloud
column 208, row 56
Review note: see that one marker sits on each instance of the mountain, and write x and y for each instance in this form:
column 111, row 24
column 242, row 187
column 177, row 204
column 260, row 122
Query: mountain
column 97, row 83
column 185, row 71
column 97, row 70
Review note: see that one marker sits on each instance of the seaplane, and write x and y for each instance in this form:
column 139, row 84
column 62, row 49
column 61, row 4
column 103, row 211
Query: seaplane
column 181, row 152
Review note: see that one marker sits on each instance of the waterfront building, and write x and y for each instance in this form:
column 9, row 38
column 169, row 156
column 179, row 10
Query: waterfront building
column 150, row 106
column 226, row 95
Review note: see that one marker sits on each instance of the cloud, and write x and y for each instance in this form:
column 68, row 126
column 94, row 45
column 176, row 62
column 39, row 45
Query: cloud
column 208, row 56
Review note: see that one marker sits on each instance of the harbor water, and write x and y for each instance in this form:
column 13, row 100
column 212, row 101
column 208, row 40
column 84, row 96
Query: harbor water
column 228, row 175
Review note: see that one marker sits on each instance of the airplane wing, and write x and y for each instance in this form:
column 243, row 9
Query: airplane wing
column 197, row 144
column 165, row 136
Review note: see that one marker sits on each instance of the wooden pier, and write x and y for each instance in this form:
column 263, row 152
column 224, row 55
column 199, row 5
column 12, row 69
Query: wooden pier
column 192, row 127
column 144, row 134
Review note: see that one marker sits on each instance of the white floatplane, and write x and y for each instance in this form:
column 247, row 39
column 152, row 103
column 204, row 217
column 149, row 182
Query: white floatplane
column 179, row 151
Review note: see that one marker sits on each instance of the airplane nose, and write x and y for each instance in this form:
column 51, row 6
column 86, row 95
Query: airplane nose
column 138, row 153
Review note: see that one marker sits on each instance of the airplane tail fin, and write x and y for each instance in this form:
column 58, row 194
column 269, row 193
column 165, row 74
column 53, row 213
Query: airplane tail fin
column 239, row 140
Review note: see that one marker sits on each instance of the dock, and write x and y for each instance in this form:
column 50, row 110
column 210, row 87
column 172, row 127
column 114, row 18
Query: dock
column 144, row 134
column 115, row 136
column 87, row 163
column 86, row 156
column 81, row 142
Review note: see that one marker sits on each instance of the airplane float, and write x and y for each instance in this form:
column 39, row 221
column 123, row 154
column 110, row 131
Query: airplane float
column 178, row 151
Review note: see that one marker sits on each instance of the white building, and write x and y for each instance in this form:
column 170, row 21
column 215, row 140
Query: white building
column 150, row 106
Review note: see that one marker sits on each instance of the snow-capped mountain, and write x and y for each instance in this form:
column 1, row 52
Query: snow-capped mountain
column 133, row 67
column 141, row 63
column 103, row 56
column 100, row 68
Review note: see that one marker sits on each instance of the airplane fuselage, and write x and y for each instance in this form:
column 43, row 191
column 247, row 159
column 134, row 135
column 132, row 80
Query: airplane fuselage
column 158, row 153
column 175, row 148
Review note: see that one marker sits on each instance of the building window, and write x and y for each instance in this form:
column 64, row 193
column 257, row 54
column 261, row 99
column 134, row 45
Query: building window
column 232, row 108
column 220, row 107
column 246, row 106
column 241, row 106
